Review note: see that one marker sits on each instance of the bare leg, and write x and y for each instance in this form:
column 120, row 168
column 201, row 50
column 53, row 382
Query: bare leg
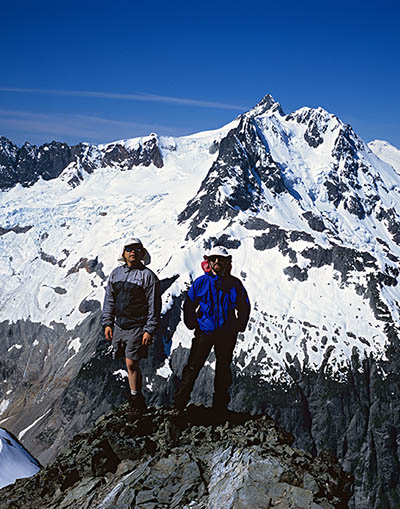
column 134, row 375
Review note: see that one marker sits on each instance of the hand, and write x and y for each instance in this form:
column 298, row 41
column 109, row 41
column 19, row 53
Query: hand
column 108, row 333
column 146, row 340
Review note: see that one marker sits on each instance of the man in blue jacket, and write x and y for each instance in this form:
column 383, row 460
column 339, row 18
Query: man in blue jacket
column 131, row 313
column 217, row 308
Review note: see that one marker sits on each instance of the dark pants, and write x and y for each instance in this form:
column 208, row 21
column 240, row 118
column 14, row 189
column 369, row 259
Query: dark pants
column 224, row 344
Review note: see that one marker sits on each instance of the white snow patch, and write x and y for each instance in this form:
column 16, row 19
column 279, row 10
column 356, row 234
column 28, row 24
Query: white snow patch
column 17, row 347
column 121, row 373
column 75, row 344
column 165, row 371
column 4, row 405
column 24, row 431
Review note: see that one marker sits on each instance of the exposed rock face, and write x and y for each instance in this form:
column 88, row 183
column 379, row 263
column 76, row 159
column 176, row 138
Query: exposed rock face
column 49, row 354
column 356, row 419
column 145, row 154
column 237, row 180
column 15, row 229
column 162, row 460
column 27, row 164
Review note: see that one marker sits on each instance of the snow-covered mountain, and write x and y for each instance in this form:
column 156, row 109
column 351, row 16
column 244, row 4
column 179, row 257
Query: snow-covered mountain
column 310, row 213
column 15, row 460
column 386, row 152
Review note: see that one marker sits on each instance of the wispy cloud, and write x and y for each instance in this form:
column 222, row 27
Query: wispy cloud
column 40, row 127
column 128, row 97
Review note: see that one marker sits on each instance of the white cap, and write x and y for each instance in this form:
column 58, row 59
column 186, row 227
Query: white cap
column 218, row 251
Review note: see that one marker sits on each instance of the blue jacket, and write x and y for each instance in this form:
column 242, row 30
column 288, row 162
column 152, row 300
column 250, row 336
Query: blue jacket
column 216, row 303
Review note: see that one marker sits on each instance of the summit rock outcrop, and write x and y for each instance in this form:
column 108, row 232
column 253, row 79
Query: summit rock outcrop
column 162, row 460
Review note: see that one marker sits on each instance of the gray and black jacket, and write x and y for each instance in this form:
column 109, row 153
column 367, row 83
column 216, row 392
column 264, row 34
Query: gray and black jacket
column 132, row 299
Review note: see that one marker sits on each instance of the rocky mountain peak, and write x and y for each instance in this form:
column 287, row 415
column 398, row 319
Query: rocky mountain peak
column 236, row 181
column 5, row 142
column 139, row 152
column 266, row 105
column 28, row 150
column 8, row 151
column 306, row 114
column 164, row 460
column 51, row 160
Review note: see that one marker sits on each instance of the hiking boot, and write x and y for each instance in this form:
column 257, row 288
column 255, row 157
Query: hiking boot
column 180, row 401
column 137, row 404
column 219, row 415
column 176, row 413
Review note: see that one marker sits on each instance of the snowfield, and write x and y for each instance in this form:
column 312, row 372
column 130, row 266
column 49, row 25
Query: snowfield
column 74, row 237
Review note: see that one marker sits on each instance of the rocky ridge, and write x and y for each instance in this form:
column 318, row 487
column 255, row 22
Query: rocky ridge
column 161, row 460
column 27, row 164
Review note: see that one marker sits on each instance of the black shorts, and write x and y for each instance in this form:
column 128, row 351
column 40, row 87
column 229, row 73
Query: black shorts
column 129, row 342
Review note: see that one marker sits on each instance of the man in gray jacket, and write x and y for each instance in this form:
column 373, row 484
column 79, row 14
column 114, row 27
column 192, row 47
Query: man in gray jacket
column 131, row 313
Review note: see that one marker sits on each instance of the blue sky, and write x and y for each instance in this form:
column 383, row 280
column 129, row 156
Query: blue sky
column 98, row 71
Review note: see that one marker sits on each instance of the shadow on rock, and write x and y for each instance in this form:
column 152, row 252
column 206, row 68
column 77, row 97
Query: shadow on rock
column 162, row 459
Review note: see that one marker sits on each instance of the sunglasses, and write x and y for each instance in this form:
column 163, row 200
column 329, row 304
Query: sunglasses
column 137, row 249
column 216, row 257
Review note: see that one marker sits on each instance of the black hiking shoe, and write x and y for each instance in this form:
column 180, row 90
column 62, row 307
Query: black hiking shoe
column 137, row 404
column 180, row 402
column 219, row 415
column 175, row 413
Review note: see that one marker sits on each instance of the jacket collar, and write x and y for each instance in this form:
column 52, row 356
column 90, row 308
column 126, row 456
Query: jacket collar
column 139, row 267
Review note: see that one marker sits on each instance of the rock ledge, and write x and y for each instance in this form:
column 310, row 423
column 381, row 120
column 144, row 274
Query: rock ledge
column 161, row 460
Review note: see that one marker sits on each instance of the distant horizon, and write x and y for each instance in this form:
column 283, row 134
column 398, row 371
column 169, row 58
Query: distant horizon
column 95, row 73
